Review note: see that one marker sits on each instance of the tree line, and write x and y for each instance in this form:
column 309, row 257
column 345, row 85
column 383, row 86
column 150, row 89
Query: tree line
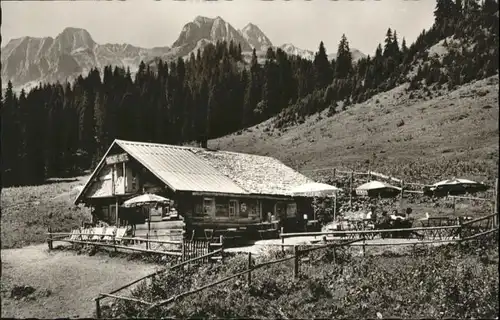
column 60, row 129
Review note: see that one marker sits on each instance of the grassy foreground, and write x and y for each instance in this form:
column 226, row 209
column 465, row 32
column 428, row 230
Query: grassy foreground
column 27, row 212
column 447, row 282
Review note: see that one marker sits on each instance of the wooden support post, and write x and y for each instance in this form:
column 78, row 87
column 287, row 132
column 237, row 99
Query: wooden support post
column 295, row 262
column 124, row 178
column 117, row 219
column 114, row 242
column 249, row 275
column 350, row 189
column 334, row 173
column 282, row 241
column 334, row 255
column 147, row 241
column 98, row 308
column 335, row 206
column 454, row 205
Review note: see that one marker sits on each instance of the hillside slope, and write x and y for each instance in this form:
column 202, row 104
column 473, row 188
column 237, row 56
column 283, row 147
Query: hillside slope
column 28, row 211
column 421, row 135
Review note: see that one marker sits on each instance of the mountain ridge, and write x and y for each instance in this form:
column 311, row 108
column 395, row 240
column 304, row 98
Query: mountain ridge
column 27, row 61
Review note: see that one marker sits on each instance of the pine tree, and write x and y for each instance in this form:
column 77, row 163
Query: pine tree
column 388, row 48
column 322, row 68
column 10, row 137
column 344, row 59
column 252, row 92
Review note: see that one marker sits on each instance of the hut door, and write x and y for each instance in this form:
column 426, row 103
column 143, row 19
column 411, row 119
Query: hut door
column 112, row 214
column 267, row 210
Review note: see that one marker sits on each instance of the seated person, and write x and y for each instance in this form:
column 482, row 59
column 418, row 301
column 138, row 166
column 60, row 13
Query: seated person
column 396, row 216
column 369, row 215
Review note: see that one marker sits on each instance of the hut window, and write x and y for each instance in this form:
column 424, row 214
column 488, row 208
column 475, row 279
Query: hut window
column 119, row 170
column 209, row 206
column 291, row 210
column 233, row 208
column 244, row 210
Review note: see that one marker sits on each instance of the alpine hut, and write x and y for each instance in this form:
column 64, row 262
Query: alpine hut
column 210, row 189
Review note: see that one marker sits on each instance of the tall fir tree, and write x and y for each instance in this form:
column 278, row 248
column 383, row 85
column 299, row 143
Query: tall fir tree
column 322, row 68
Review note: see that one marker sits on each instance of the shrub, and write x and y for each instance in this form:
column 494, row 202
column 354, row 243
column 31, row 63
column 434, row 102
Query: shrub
column 448, row 282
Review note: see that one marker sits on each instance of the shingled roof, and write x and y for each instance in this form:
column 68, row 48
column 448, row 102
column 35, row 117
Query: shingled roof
column 211, row 171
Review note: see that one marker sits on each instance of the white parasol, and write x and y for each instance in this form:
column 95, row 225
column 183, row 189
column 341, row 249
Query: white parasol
column 455, row 182
column 144, row 199
column 315, row 189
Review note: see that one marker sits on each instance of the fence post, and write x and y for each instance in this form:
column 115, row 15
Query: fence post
column 295, row 262
column 221, row 248
column 98, row 308
column 402, row 195
column 282, row 241
column 460, row 227
column 147, row 241
column 49, row 240
column 334, row 173
column 249, row 275
column 183, row 250
column 364, row 246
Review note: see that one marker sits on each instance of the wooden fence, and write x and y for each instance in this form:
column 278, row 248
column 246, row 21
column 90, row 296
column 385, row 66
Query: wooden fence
column 185, row 249
column 112, row 294
column 296, row 257
column 297, row 254
column 458, row 231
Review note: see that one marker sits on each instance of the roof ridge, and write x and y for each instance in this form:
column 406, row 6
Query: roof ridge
column 118, row 141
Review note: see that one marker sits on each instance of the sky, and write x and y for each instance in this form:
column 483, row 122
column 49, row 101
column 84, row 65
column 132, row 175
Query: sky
column 148, row 23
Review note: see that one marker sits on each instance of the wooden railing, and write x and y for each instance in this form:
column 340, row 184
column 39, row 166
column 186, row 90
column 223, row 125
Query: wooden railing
column 447, row 232
column 248, row 273
column 186, row 249
column 152, row 275
column 296, row 257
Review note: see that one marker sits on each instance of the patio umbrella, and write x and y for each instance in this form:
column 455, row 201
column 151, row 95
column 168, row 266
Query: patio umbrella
column 457, row 186
column 144, row 199
column 455, row 182
column 375, row 187
column 316, row 189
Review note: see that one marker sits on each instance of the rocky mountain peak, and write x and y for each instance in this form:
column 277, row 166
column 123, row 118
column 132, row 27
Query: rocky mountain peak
column 255, row 37
column 74, row 38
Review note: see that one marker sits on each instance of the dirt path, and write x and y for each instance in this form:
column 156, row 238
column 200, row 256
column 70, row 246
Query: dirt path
column 73, row 280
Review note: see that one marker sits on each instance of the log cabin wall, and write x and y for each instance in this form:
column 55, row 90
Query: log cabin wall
column 220, row 209
column 235, row 210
